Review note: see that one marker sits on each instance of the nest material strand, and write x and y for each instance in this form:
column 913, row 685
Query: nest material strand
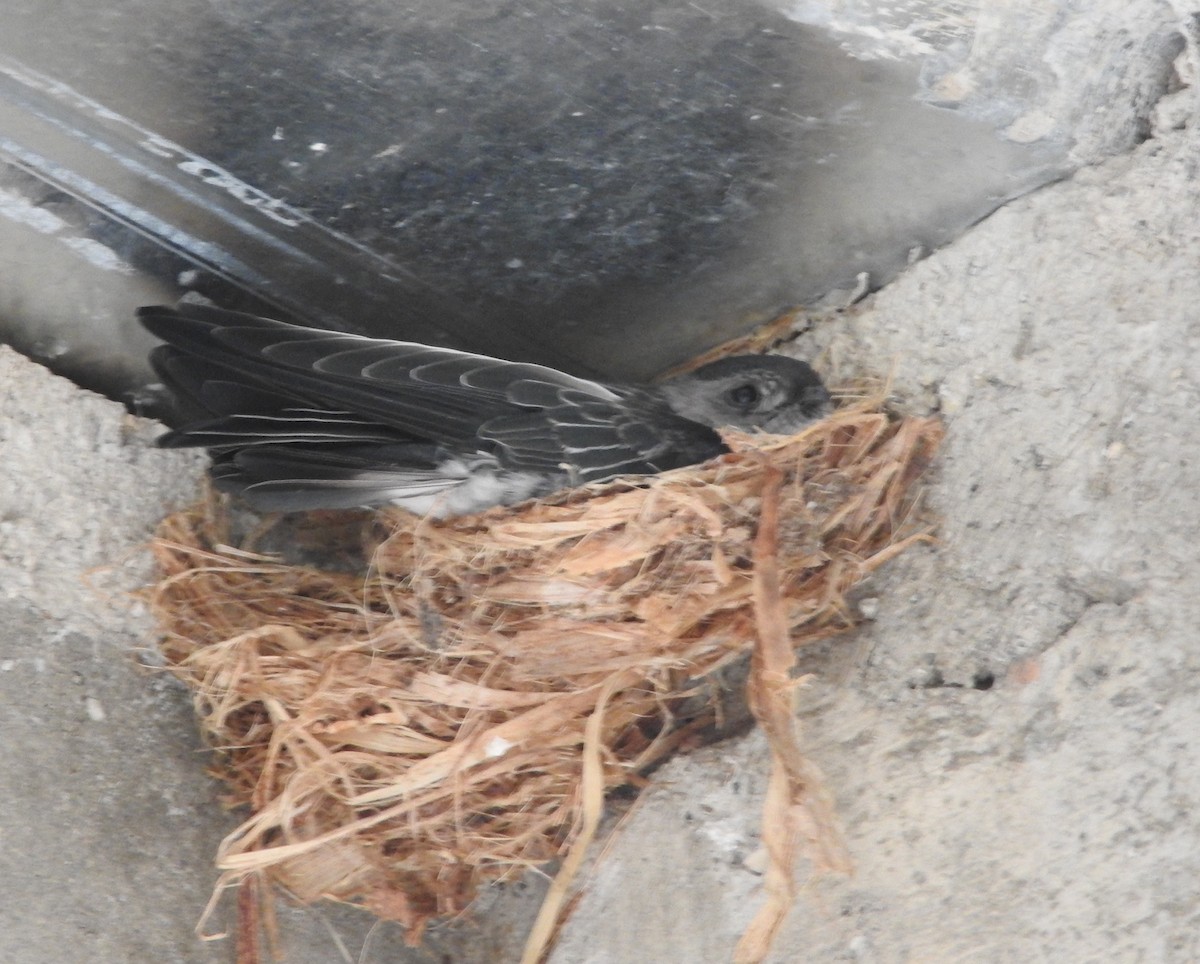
column 455, row 715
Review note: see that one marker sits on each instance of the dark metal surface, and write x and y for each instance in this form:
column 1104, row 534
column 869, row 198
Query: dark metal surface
column 602, row 186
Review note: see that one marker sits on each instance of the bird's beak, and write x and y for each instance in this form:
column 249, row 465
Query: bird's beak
column 818, row 399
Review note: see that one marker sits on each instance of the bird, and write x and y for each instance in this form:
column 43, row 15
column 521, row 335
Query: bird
column 297, row 418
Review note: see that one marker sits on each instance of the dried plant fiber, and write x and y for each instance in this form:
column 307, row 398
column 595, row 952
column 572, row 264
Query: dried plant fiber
column 454, row 711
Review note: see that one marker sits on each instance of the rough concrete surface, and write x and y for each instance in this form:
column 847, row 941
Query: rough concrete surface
column 108, row 821
column 1011, row 741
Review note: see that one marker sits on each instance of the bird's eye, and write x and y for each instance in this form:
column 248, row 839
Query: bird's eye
column 744, row 396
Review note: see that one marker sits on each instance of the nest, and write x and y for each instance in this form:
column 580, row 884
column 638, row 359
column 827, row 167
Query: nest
column 454, row 711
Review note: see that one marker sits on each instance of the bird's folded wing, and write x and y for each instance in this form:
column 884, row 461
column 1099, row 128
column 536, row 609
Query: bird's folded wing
column 425, row 391
column 597, row 441
column 289, row 479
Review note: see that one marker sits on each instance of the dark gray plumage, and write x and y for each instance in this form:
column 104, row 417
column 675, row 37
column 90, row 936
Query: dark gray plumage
column 301, row 418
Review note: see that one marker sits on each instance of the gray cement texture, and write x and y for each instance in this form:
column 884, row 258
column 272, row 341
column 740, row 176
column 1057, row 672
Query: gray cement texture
column 1011, row 739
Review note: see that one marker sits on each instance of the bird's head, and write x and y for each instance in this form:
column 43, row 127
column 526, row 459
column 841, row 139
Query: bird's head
column 769, row 392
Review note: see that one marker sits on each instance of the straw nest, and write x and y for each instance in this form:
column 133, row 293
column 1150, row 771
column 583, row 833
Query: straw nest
column 454, row 710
